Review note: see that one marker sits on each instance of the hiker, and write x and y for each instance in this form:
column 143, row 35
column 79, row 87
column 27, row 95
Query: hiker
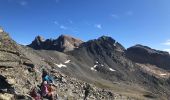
column 46, row 77
column 47, row 91
column 44, row 73
column 35, row 94
column 87, row 91
column 50, row 95
column 44, row 89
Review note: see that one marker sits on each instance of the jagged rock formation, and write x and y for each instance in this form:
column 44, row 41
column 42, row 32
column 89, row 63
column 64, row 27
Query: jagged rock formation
column 64, row 43
column 145, row 55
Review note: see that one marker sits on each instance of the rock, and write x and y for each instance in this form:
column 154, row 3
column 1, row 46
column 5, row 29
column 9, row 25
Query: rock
column 23, row 97
column 6, row 96
column 29, row 64
column 11, row 81
column 4, row 83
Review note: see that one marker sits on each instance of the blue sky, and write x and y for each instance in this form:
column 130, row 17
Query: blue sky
column 130, row 22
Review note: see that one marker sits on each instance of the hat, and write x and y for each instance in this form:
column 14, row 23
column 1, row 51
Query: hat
column 45, row 82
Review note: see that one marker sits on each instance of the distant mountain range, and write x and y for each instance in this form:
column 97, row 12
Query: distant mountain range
column 113, row 72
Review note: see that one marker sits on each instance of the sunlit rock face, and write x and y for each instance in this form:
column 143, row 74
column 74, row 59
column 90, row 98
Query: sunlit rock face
column 63, row 43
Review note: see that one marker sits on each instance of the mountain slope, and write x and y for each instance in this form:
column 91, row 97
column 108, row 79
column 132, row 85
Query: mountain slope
column 111, row 55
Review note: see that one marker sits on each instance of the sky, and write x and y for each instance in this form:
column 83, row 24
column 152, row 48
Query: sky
column 129, row 22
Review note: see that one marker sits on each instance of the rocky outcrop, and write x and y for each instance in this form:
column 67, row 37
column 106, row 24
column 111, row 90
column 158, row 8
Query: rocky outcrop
column 103, row 44
column 64, row 43
column 145, row 55
column 6, row 43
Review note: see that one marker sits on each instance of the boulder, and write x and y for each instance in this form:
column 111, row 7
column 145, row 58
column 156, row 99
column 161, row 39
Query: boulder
column 6, row 96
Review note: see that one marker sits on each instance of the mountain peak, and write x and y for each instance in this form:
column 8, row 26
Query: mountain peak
column 106, row 39
column 63, row 43
column 70, row 38
column 103, row 45
column 39, row 38
column 65, row 36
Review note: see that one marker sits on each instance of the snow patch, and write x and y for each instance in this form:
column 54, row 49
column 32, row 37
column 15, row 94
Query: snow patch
column 93, row 68
column 102, row 65
column 60, row 65
column 163, row 74
column 112, row 69
column 115, row 44
column 68, row 61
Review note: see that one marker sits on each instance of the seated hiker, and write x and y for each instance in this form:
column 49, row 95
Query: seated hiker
column 50, row 95
column 44, row 89
column 44, row 73
column 46, row 77
column 35, row 94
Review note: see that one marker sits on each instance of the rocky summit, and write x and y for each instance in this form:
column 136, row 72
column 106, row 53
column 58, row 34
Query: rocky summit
column 63, row 43
column 99, row 69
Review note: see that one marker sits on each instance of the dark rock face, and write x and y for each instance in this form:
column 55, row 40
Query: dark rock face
column 63, row 43
column 103, row 45
column 144, row 54
column 37, row 43
column 3, row 83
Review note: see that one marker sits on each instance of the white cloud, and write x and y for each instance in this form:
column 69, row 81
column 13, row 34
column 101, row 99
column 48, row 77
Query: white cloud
column 56, row 22
column 168, row 50
column 167, row 42
column 63, row 27
column 115, row 16
column 129, row 13
column 99, row 26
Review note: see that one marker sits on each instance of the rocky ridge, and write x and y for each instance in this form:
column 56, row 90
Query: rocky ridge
column 63, row 43
column 146, row 55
